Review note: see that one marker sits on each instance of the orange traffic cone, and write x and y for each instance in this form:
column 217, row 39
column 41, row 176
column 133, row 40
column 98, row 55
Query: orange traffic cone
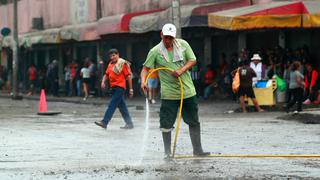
column 43, row 110
column 43, row 102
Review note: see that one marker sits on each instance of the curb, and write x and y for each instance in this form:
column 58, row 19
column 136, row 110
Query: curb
column 97, row 101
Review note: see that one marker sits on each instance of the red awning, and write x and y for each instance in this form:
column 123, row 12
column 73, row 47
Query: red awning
column 118, row 23
column 199, row 15
column 191, row 15
column 284, row 14
column 295, row 8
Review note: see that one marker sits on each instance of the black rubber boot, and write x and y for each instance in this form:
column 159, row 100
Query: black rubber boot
column 195, row 137
column 166, row 136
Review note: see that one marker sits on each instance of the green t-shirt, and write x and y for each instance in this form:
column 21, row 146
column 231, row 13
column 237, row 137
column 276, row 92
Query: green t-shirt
column 170, row 86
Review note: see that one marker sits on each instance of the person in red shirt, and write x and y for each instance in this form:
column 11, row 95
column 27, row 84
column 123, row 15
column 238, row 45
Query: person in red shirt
column 73, row 68
column 312, row 84
column 118, row 72
column 209, row 82
column 32, row 74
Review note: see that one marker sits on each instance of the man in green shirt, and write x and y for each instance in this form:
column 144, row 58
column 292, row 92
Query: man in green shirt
column 177, row 55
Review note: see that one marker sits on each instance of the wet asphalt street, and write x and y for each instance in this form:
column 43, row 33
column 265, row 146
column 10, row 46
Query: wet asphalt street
column 70, row 146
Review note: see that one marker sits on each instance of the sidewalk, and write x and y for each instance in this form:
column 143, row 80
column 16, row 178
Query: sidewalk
column 67, row 99
column 140, row 101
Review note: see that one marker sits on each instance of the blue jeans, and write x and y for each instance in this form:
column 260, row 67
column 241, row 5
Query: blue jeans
column 79, row 82
column 207, row 92
column 117, row 100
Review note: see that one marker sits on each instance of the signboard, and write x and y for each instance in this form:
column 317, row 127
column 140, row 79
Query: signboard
column 5, row 31
column 79, row 10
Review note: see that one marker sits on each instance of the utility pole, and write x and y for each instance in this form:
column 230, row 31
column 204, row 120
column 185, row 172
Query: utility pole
column 99, row 59
column 176, row 16
column 15, row 49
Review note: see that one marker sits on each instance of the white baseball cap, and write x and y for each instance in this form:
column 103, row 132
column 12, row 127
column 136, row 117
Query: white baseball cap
column 169, row 30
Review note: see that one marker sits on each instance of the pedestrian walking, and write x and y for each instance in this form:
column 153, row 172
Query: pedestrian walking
column 32, row 76
column 152, row 86
column 3, row 77
column 67, row 80
column 246, row 74
column 78, row 79
column 117, row 72
column 196, row 78
column 175, row 54
column 53, row 77
column 85, row 74
column 73, row 73
column 296, row 86
column 93, row 77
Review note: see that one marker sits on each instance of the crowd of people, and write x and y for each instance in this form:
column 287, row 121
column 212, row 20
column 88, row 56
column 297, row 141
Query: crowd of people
column 296, row 68
column 211, row 80
column 80, row 79
column 218, row 79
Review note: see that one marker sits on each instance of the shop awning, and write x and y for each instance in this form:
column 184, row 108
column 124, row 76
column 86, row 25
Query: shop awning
column 118, row 23
column 155, row 21
column 272, row 15
column 199, row 15
column 191, row 15
column 312, row 16
column 49, row 36
column 80, row 32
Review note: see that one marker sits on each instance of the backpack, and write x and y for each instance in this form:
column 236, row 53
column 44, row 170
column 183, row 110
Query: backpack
column 236, row 82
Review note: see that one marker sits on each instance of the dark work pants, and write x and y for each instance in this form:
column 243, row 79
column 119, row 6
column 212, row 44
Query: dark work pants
column 297, row 94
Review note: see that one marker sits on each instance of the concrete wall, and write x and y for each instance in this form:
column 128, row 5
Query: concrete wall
column 55, row 13
column 125, row 6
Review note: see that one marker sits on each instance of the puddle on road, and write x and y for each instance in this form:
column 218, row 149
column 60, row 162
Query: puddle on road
column 305, row 118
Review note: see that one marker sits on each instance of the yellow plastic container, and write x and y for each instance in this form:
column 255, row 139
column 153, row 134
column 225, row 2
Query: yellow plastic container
column 265, row 96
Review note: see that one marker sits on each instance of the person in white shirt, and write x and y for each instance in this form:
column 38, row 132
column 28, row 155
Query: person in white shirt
column 258, row 68
column 85, row 74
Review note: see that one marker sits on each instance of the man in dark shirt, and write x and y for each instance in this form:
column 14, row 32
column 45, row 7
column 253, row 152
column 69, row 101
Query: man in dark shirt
column 246, row 74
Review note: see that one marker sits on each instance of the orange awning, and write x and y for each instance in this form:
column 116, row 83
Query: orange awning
column 312, row 17
column 286, row 14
